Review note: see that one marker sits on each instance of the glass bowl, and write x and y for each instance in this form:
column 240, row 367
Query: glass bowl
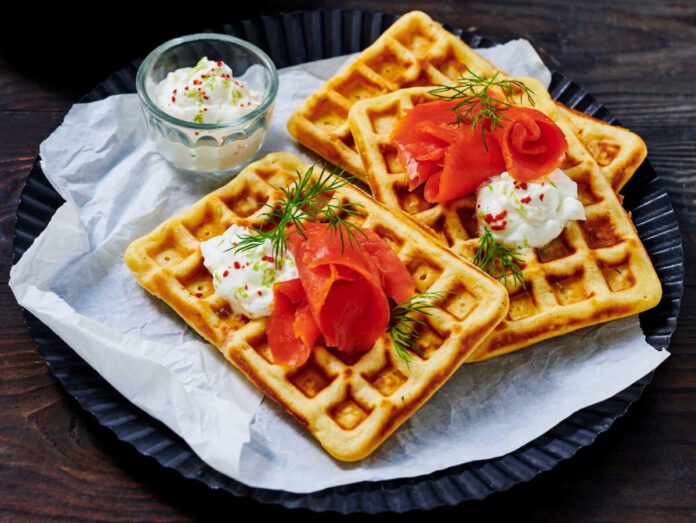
column 216, row 149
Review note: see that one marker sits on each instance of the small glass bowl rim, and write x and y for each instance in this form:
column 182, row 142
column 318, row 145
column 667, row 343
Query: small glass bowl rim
column 238, row 122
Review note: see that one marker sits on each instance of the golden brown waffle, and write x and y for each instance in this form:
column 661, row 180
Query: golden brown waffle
column 417, row 51
column 618, row 151
column 596, row 271
column 352, row 404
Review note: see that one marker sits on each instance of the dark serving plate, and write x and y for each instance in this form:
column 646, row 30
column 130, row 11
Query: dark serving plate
column 311, row 35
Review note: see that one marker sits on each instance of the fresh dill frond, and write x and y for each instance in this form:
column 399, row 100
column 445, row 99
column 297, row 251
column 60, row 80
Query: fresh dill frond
column 496, row 260
column 479, row 100
column 405, row 321
column 305, row 199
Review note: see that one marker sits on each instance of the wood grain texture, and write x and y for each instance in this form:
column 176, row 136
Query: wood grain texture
column 638, row 58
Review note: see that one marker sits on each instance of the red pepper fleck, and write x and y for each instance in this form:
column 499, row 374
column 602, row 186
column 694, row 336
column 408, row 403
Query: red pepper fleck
column 196, row 133
column 173, row 98
column 499, row 226
column 259, row 293
column 219, row 63
column 206, row 97
column 478, row 206
column 199, row 295
column 521, row 185
column 205, row 108
column 244, row 318
column 541, row 197
column 225, row 274
column 186, row 88
column 237, row 265
column 269, row 259
column 526, row 199
column 246, row 287
column 490, row 218
column 174, row 91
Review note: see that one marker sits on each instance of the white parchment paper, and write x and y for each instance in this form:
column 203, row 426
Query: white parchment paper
column 118, row 188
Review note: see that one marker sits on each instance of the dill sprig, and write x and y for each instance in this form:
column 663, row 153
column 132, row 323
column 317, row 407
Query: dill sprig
column 405, row 321
column 479, row 100
column 306, row 199
column 490, row 252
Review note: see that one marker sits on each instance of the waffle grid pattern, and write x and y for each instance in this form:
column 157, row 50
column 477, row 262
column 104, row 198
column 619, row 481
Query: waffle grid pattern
column 595, row 271
column 349, row 404
column 417, row 51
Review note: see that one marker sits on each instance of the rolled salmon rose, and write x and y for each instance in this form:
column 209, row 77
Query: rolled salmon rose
column 341, row 294
column 454, row 159
column 532, row 144
column 450, row 158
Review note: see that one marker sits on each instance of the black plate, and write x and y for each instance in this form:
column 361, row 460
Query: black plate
column 299, row 37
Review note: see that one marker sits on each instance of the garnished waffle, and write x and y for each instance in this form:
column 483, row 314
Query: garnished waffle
column 596, row 271
column 350, row 404
column 417, row 51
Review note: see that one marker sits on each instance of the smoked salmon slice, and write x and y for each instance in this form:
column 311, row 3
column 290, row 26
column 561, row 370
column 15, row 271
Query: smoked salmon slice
column 453, row 160
column 422, row 137
column 469, row 161
column 397, row 282
column 291, row 330
column 341, row 294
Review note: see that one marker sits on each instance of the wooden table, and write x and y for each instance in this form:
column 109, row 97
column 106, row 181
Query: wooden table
column 640, row 60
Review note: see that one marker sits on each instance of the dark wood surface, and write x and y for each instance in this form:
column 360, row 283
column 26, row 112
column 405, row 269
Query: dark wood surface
column 638, row 58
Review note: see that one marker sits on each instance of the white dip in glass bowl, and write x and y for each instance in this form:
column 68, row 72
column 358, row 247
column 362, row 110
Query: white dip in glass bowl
column 207, row 100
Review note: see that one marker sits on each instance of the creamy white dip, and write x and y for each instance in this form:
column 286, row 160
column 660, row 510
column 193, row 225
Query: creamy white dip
column 245, row 279
column 207, row 93
column 528, row 214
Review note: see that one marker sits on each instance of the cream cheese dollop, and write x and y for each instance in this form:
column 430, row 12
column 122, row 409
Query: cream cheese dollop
column 207, row 93
column 528, row 214
column 245, row 279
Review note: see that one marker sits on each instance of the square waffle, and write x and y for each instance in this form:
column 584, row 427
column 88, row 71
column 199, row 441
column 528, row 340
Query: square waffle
column 350, row 404
column 596, row 271
column 417, row 51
